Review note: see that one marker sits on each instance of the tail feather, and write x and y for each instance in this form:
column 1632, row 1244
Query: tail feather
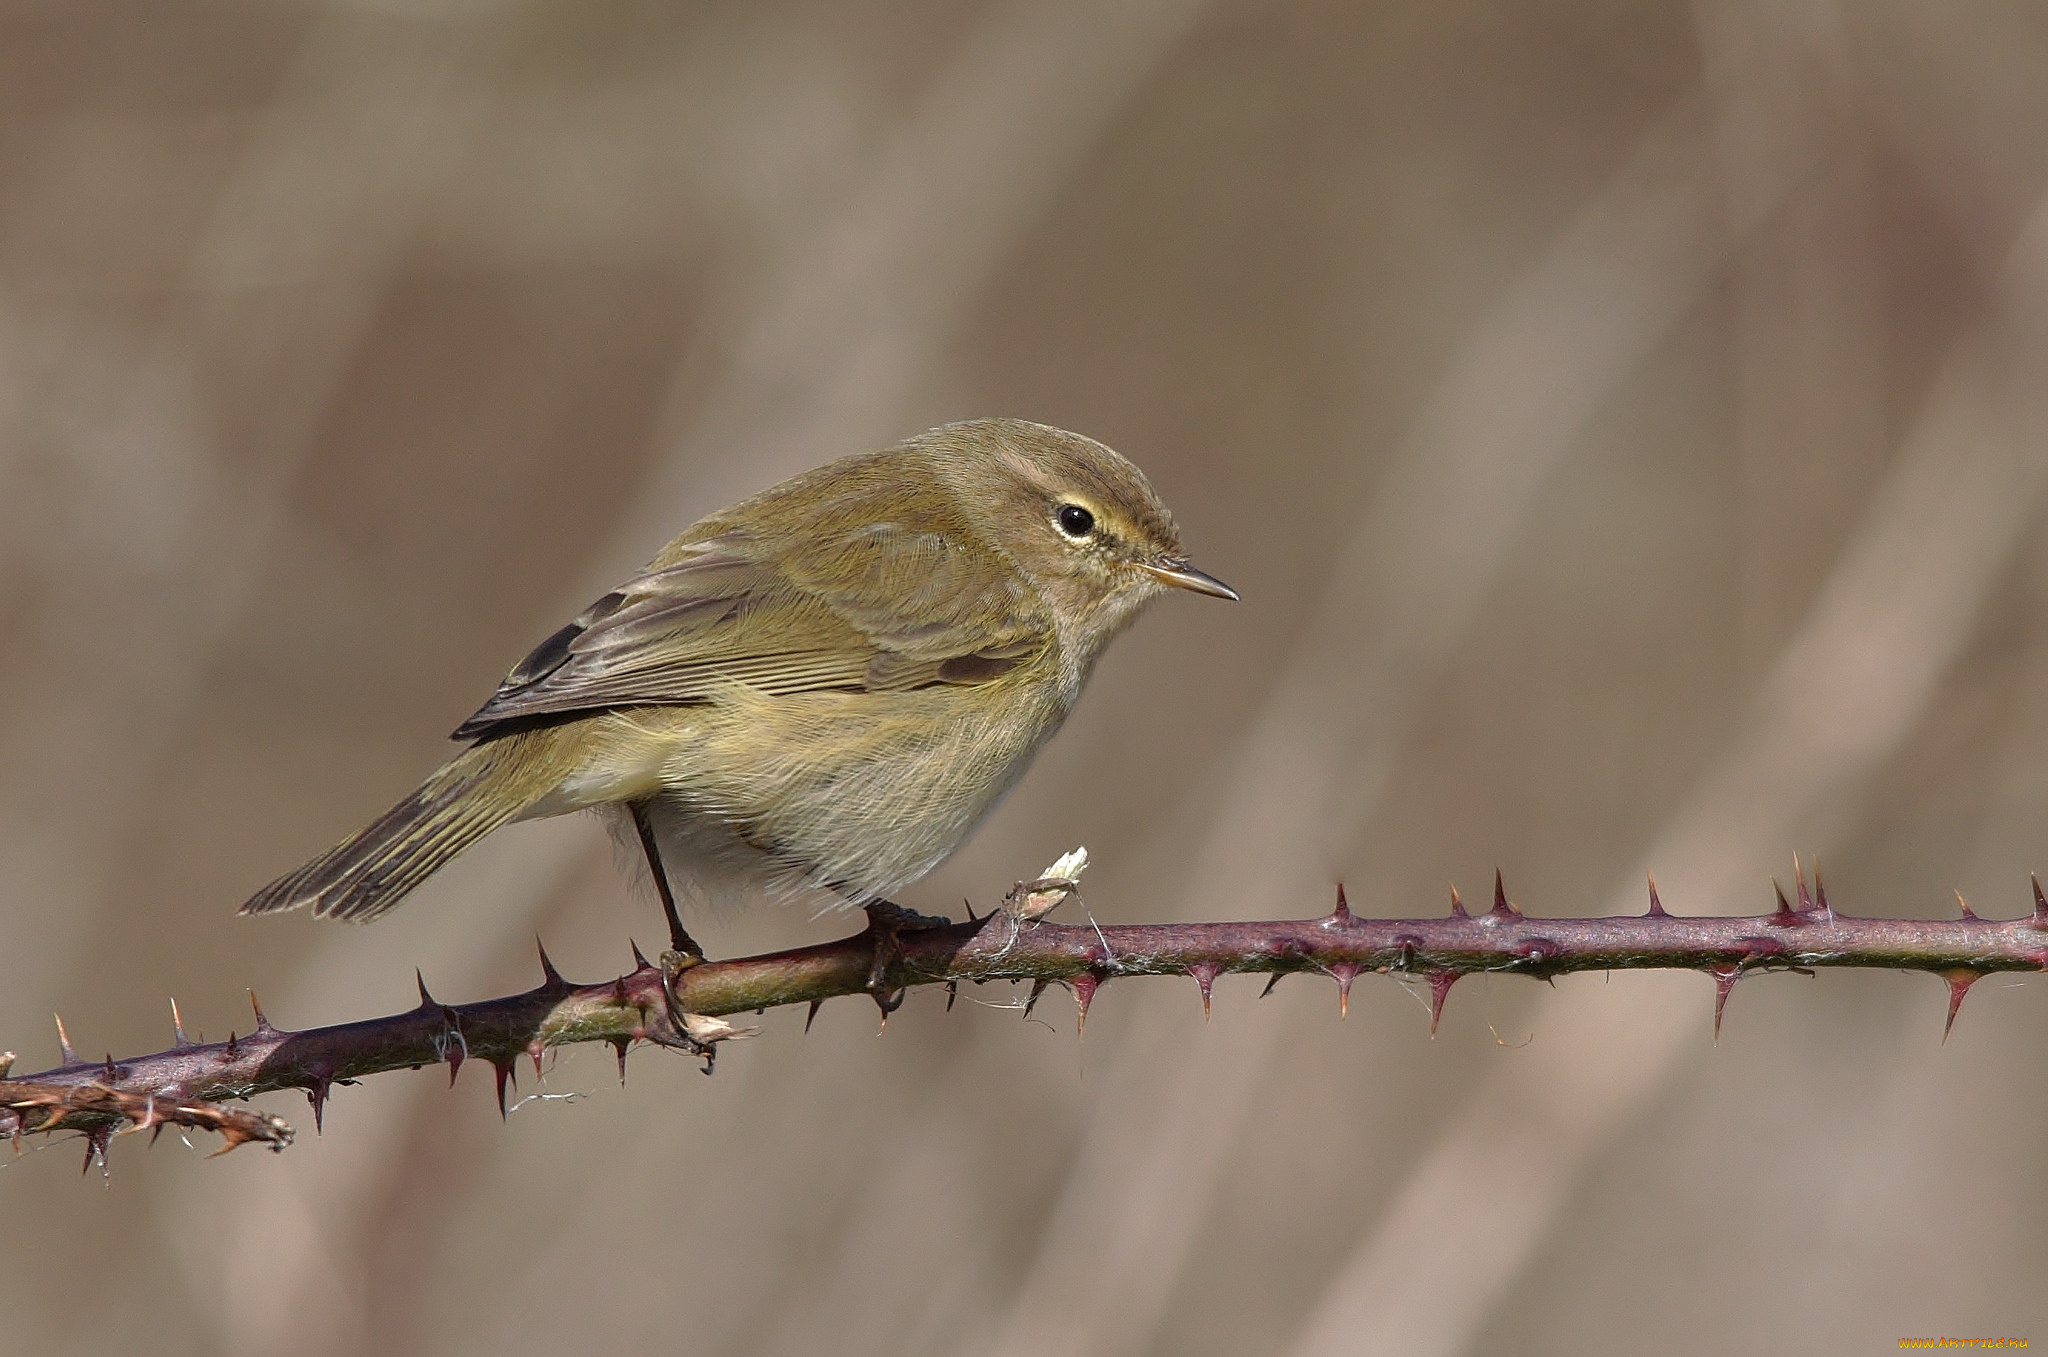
column 365, row 875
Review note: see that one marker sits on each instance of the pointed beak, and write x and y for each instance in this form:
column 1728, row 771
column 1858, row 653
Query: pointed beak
column 1181, row 575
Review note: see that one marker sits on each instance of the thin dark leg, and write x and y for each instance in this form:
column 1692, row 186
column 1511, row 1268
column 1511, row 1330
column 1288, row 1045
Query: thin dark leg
column 678, row 937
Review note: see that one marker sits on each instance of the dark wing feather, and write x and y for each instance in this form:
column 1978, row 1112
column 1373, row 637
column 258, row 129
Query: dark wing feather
column 881, row 607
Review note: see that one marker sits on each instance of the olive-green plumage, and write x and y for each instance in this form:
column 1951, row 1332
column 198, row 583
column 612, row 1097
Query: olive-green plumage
column 826, row 685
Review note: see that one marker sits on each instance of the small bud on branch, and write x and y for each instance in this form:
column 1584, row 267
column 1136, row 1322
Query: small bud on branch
column 681, row 1003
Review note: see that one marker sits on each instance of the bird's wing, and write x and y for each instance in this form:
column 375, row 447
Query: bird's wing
column 882, row 607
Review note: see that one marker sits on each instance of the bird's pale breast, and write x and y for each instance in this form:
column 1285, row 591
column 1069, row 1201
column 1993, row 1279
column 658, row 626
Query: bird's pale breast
column 856, row 792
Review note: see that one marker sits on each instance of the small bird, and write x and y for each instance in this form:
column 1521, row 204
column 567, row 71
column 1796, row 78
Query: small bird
column 826, row 686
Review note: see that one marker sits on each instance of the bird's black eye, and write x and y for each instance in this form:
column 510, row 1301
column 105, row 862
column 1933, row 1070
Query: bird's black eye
column 1076, row 521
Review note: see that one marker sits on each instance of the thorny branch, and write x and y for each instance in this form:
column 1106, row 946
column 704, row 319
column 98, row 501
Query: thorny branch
column 681, row 1003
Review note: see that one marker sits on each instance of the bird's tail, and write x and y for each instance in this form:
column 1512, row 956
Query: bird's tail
column 468, row 797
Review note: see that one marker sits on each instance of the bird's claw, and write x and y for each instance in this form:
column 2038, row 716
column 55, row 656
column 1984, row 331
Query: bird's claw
column 888, row 921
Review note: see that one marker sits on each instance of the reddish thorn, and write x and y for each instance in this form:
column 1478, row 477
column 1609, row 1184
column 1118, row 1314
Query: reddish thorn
column 64, row 1041
column 96, row 1146
column 550, row 977
column 1799, row 876
column 1959, row 982
column 1969, row 916
column 639, row 957
column 1205, row 973
column 1820, row 894
column 1500, row 898
column 316, row 1094
column 2040, row 905
column 620, row 1044
column 426, row 999
column 1784, row 915
column 1724, row 984
column 455, row 1059
column 113, row 1075
column 1656, row 910
column 232, row 1053
column 535, row 1049
column 1440, row 983
column 1085, row 985
column 262, row 1023
column 1342, row 913
column 505, row 1074
column 1457, row 905
column 1345, row 972
column 1038, row 989
column 619, row 992
column 178, row 1036
column 812, row 1016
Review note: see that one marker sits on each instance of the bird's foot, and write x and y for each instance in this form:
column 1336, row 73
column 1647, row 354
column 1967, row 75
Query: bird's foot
column 697, row 1033
column 674, row 962
column 888, row 921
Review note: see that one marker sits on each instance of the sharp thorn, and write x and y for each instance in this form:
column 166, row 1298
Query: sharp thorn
column 1724, row 985
column 1500, row 897
column 506, row 1075
column 113, row 1075
column 232, row 1052
column 1959, row 982
column 968, row 905
column 639, row 957
column 1784, row 914
column 64, row 1042
column 1457, row 905
column 2040, row 904
column 1271, row 981
column 426, row 999
column 1656, row 909
column 1799, row 876
column 535, row 1049
column 1820, row 893
column 550, row 977
column 178, row 1036
column 1085, row 985
column 455, row 1059
column 262, row 1023
column 1440, row 983
column 1969, row 915
column 1038, row 988
column 316, row 1094
column 1342, row 913
column 620, row 1044
column 812, row 1016
column 1345, row 972
column 953, row 989
column 1205, row 973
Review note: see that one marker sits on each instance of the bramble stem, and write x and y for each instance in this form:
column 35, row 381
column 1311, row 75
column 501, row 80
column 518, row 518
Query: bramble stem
column 680, row 1005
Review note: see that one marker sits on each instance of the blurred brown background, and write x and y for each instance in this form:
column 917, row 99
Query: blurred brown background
column 1624, row 421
